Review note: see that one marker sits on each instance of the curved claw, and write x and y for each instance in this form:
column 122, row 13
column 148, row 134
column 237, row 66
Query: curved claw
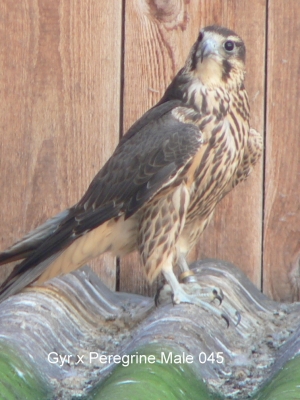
column 239, row 317
column 227, row 320
column 218, row 296
column 156, row 297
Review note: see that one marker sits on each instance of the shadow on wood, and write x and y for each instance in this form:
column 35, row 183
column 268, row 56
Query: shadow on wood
column 72, row 333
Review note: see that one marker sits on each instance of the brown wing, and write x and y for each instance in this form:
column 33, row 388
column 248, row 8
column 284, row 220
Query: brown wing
column 147, row 159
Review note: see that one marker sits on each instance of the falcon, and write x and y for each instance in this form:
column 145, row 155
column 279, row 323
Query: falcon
column 157, row 192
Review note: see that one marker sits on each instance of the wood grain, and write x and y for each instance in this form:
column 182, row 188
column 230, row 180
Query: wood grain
column 282, row 204
column 60, row 101
column 158, row 36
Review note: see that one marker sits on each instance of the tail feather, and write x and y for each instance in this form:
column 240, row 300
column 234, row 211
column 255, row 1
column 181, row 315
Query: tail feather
column 16, row 282
column 41, row 249
column 30, row 242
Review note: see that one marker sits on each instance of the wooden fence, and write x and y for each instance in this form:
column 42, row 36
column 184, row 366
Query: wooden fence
column 75, row 74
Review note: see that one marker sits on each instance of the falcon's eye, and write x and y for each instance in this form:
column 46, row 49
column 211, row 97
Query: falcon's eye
column 229, row 45
column 200, row 37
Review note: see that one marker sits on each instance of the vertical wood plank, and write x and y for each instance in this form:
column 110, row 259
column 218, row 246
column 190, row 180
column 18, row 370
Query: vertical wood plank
column 282, row 201
column 60, row 100
column 158, row 37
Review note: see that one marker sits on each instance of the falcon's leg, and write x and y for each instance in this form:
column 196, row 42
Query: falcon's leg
column 160, row 226
column 188, row 277
column 161, row 223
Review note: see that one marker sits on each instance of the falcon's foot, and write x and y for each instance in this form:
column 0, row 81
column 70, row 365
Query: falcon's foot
column 191, row 292
column 190, row 289
column 188, row 276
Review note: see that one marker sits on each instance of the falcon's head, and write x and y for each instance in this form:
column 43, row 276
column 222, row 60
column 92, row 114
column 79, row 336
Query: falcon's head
column 217, row 58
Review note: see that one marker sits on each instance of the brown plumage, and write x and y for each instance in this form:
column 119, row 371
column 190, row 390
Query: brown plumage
column 159, row 189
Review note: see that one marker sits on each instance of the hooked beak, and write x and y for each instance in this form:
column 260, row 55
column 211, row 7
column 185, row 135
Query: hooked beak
column 207, row 48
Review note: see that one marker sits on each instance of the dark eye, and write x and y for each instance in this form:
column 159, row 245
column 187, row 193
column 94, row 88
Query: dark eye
column 229, row 45
column 200, row 37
